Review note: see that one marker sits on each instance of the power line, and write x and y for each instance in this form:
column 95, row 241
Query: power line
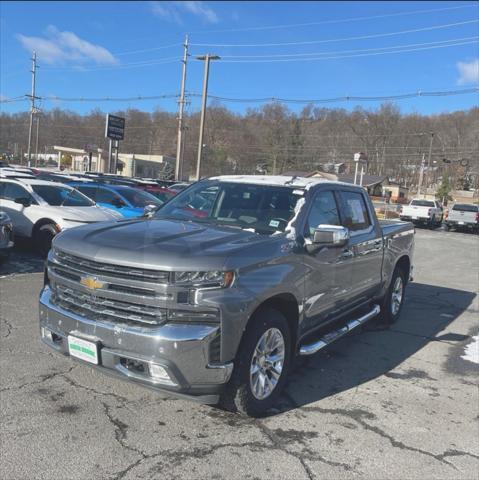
column 361, row 37
column 352, row 56
column 108, row 99
column 123, row 66
column 145, row 50
column 344, row 20
column 338, row 52
column 418, row 93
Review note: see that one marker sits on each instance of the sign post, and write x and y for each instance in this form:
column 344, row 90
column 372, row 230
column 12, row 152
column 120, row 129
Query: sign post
column 114, row 130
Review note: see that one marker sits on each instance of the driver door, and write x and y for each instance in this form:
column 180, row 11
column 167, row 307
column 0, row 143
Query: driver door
column 328, row 281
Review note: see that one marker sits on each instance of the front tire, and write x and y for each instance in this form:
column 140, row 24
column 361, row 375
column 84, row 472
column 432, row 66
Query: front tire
column 261, row 365
column 44, row 237
column 393, row 301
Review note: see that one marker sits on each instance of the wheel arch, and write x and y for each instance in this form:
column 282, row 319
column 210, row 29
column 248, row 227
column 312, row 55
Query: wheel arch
column 41, row 222
column 404, row 263
column 288, row 305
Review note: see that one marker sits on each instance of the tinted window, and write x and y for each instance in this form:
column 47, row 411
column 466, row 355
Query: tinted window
column 107, row 196
column 61, row 196
column 13, row 191
column 324, row 211
column 355, row 214
column 464, row 207
column 423, row 203
column 139, row 198
column 90, row 192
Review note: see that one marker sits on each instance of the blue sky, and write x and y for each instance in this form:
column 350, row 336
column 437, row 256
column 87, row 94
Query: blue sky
column 126, row 49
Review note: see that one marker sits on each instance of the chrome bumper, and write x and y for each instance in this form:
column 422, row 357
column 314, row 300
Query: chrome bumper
column 181, row 349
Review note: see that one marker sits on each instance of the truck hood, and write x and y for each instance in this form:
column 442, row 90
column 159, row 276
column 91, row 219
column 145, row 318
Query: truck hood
column 158, row 244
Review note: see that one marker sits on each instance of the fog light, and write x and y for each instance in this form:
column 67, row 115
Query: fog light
column 47, row 334
column 159, row 373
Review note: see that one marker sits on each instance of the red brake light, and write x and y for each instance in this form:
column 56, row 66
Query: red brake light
column 477, row 217
column 429, row 212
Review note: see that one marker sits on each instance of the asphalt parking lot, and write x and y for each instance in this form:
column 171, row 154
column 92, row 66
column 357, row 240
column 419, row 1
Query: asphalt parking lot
column 397, row 403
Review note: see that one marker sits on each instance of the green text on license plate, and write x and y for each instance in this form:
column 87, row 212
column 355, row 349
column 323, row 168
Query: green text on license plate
column 83, row 349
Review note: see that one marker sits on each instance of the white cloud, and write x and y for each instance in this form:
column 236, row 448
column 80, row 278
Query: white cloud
column 173, row 11
column 66, row 47
column 468, row 72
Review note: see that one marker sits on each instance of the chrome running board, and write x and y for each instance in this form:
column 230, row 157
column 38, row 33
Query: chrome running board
column 335, row 334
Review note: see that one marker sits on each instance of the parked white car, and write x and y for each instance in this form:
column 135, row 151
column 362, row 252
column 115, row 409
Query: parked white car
column 421, row 211
column 39, row 209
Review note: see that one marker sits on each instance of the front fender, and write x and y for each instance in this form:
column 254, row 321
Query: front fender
column 252, row 288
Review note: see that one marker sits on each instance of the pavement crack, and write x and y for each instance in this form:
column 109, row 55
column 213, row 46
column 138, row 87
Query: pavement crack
column 9, row 327
column 44, row 378
column 359, row 416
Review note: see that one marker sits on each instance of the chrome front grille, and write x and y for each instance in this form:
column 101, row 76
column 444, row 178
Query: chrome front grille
column 83, row 266
column 103, row 309
column 123, row 295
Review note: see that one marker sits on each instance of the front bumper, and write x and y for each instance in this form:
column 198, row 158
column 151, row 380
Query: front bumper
column 181, row 349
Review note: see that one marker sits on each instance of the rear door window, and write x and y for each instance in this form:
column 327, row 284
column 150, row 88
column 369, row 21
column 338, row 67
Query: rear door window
column 13, row 191
column 355, row 215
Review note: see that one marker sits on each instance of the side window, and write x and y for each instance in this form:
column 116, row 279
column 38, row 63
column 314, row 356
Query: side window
column 324, row 211
column 13, row 191
column 90, row 192
column 107, row 196
column 2, row 188
column 355, row 214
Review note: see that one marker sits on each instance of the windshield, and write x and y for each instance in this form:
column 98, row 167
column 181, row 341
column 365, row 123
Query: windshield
column 262, row 208
column 139, row 198
column 62, row 196
column 422, row 203
column 464, row 207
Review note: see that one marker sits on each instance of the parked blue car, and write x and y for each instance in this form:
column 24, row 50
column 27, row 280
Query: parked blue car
column 128, row 201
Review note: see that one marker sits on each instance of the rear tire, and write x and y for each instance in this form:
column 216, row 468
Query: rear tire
column 393, row 301
column 253, row 368
column 43, row 238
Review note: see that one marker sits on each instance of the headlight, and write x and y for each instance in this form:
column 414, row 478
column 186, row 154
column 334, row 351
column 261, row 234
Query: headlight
column 214, row 278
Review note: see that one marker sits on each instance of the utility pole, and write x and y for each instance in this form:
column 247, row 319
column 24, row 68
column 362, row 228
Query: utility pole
column 428, row 175
column 179, row 143
column 206, row 59
column 421, row 174
column 36, row 139
column 32, row 107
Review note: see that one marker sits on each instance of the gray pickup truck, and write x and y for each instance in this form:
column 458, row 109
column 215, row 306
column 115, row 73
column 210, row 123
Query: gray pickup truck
column 212, row 296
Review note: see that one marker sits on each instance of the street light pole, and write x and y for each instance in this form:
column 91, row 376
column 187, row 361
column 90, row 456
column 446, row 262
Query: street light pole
column 206, row 59
column 179, row 143
column 32, row 107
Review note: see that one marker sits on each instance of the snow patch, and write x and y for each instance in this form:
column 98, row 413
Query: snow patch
column 471, row 352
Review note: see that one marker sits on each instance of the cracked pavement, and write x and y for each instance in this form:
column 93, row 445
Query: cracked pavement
column 382, row 403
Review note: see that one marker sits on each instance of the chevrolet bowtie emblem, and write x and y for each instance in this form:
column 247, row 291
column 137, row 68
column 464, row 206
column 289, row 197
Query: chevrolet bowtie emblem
column 92, row 283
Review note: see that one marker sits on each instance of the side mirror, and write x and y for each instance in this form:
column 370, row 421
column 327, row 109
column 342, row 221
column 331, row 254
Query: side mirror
column 149, row 210
column 25, row 201
column 328, row 236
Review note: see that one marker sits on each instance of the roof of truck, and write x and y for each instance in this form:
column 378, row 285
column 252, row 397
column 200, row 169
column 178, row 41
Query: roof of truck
column 280, row 180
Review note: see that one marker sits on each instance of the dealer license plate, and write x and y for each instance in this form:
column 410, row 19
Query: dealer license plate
column 460, row 223
column 414, row 218
column 83, row 349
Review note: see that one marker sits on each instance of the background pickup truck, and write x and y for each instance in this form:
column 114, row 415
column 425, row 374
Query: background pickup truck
column 422, row 212
column 463, row 215
column 214, row 295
